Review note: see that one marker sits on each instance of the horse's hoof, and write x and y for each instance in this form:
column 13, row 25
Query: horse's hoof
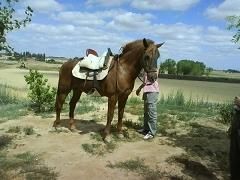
column 52, row 129
column 57, row 128
column 107, row 139
column 120, row 136
column 74, row 130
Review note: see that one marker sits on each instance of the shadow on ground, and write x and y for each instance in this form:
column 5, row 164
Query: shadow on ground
column 207, row 152
column 84, row 126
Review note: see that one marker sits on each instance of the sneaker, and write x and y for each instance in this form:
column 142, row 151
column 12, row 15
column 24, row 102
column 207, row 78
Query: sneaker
column 148, row 136
column 142, row 131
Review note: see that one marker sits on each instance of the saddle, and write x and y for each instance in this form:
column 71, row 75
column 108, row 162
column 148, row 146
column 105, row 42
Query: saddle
column 92, row 67
column 93, row 62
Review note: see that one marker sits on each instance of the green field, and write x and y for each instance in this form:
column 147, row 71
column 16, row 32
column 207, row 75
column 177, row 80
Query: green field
column 196, row 90
column 224, row 74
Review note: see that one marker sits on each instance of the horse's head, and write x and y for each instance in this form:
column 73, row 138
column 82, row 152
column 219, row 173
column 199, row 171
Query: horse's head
column 149, row 60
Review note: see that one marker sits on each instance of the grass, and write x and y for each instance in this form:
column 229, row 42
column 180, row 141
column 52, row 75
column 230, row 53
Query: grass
column 86, row 104
column 99, row 149
column 176, row 104
column 28, row 130
column 11, row 107
column 24, row 166
column 6, row 97
column 197, row 90
column 192, row 166
column 14, row 129
column 5, row 140
column 138, row 166
column 224, row 74
column 194, row 126
column 13, row 111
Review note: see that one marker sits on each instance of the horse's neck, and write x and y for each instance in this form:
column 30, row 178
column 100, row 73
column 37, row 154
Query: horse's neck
column 132, row 61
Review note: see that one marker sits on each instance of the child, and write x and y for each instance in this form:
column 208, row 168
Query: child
column 150, row 97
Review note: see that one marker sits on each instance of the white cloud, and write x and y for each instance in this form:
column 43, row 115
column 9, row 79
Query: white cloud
column 164, row 5
column 43, row 5
column 226, row 8
column 105, row 2
column 129, row 21
column 86, row 18
column 80, row 18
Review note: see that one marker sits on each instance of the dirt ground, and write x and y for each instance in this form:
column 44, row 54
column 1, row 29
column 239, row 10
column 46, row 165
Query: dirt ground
column 63, row 150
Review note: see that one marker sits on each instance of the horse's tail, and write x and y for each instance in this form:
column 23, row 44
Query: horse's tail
column 65, row 77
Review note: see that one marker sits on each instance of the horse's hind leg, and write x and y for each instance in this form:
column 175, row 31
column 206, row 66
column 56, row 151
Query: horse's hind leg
column 60, row 98
column 76, row 96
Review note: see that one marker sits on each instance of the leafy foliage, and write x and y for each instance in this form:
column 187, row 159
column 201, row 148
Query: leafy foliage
column 8, row 22
column 226, row 113
column 234, row 23
column 41, row 94
column 189, row 67
column 168, row 65
column 184, row 67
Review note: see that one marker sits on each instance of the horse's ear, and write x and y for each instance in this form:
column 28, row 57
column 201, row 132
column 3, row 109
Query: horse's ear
column 145, row 43
column 159, row 45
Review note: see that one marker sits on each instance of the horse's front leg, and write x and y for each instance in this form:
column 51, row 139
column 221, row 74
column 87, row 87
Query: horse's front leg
column 76, row 96
column 111, row 106
column 122, row 99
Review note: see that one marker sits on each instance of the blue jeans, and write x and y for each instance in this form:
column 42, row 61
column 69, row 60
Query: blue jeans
column 150, row 111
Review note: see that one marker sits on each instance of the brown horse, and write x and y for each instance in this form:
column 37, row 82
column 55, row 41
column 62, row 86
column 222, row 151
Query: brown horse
column 117, row 85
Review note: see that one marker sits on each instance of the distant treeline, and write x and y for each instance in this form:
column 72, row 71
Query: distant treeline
column 232, row 71
column 37, row 56
column 199, row 78
column 184, row 67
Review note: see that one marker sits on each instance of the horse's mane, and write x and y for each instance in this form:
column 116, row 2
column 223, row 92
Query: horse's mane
column 135, row 44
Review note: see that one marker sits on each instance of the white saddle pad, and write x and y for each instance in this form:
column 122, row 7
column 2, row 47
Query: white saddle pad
column 93, row 62
column 76, row 72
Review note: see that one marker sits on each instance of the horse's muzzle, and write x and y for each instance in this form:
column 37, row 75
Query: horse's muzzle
column 152, row 76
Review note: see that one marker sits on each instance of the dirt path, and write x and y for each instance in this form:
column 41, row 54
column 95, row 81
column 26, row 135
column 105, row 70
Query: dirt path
column 64, row 152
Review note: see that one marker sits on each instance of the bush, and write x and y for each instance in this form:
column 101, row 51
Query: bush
column 42, row 95
column 226, row 113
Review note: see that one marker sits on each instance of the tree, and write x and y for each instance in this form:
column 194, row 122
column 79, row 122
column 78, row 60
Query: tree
column 8, row 22
column 189, row 67
column 208, row 70
column 184, row 67
column 234, row 23
column 168, row 65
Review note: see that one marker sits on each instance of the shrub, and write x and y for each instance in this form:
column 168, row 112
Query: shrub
column 28, row 130
column 42, row 95
column 226, row 113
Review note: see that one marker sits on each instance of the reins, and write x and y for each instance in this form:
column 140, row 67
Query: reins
column 117, row 73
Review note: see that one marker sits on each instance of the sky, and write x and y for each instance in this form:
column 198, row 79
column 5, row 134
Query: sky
column 191, row 29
